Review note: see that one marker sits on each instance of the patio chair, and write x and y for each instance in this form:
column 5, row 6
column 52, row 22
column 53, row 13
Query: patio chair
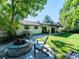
column 72, row 55
column 41, row 47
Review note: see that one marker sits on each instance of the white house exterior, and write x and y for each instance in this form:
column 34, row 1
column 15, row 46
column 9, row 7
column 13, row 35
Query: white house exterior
column 35, row 27
column 34, row 30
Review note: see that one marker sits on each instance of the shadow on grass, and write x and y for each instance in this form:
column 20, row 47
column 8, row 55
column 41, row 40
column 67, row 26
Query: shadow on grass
column 66, row 35
column 55, row 50
column 61, row 45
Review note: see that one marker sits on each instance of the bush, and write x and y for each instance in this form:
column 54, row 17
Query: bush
column 74, row 31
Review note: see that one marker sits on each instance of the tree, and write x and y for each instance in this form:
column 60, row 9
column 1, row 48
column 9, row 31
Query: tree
column 47, row 19
column 14, row 10
column 69, row 15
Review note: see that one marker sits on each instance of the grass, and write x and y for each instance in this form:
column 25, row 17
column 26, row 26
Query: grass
column 63, row 43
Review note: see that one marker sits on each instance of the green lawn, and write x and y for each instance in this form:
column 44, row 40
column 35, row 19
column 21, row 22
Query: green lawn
column 63, row 43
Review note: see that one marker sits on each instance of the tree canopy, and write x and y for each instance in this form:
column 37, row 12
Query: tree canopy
column 22, row 8
column 47, row 19
column 69, row 15
column 13, row 10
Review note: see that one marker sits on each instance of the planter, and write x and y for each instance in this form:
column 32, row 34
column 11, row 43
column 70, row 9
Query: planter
column 18, row 50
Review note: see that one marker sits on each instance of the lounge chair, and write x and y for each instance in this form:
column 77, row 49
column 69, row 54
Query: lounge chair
column 72, row 55
column 41, row 47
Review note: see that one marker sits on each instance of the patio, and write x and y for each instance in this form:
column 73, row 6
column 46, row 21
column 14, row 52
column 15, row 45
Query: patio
column 30, row 54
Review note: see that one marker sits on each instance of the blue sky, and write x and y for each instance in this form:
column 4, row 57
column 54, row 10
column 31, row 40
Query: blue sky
column 52, row 9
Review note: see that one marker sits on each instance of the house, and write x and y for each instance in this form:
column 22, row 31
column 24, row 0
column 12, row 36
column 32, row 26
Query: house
column 33, row 27
column 36, row 27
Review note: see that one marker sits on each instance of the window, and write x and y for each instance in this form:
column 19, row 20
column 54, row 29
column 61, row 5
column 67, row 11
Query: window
column 26, row 27
column 36, row 27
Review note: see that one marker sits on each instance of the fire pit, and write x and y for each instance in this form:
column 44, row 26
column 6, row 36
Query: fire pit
column 19, row 47
column 18, row 50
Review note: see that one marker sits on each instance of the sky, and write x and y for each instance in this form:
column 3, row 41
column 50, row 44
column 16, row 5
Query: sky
column 52, row 8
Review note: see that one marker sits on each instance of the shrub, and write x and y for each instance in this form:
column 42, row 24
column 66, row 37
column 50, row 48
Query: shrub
column 74, row 31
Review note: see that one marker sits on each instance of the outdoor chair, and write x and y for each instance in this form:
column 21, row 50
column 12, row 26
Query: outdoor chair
column 41, row 47
column 72, row 55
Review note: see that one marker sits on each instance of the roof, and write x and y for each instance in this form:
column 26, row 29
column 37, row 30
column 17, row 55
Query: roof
column 33, row 23
column 46, row 24
column 25, row 22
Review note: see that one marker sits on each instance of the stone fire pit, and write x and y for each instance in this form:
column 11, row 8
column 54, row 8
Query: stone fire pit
column 18, row 50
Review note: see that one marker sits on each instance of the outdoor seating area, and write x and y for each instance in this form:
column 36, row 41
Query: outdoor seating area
column 28, row 49
column 39, row 29
column 41, row 48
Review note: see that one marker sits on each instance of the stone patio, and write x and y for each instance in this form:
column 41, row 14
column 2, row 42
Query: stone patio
column 30, row 55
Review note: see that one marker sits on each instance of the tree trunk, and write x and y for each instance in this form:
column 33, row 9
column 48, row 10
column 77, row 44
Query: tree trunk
column 11, row 30
column 13, row 10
